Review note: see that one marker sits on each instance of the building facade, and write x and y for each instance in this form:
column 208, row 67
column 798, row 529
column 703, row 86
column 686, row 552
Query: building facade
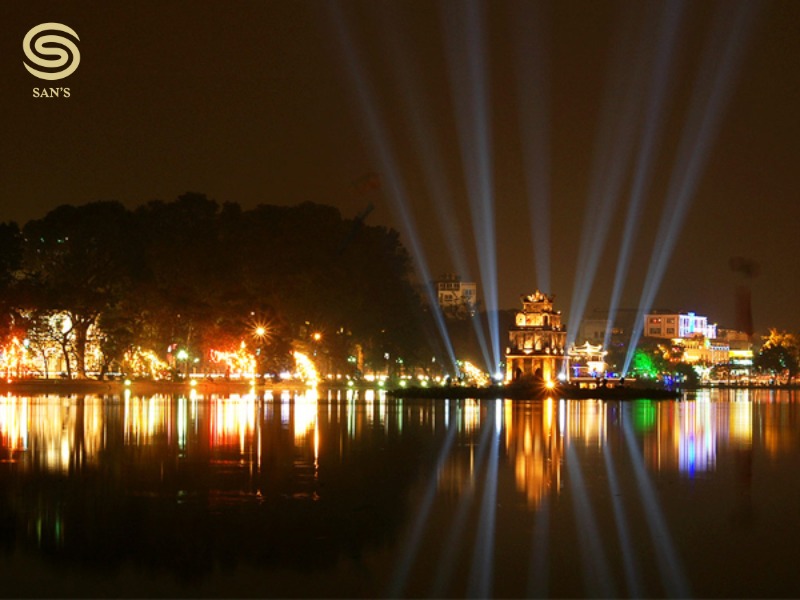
column 587, row 361
column 537, row 341
column 678, row 325
column 456, row 298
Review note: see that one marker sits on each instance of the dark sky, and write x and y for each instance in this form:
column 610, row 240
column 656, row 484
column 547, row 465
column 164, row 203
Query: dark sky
column 252, row 102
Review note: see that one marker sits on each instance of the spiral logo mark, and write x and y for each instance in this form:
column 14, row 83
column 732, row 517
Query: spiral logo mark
column 65, row 54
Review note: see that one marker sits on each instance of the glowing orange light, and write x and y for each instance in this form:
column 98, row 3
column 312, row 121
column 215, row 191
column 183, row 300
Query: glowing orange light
column 261, row 331
column 241, row 362
column 474, row 375
column 306, row 369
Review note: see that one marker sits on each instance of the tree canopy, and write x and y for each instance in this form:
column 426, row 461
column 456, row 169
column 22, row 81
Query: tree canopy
column 200, row 276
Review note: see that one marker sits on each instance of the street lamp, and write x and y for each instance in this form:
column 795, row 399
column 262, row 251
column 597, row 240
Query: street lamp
column 262, row 332
column 184, row 356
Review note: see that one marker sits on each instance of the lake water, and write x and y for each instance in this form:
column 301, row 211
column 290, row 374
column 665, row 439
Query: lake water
column 364, row 496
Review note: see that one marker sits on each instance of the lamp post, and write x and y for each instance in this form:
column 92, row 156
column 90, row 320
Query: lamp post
column 260, row 333
column 184, row 356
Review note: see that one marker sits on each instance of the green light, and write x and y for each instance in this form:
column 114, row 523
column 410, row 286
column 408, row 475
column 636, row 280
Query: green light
column 644, row 365
column 644, row 415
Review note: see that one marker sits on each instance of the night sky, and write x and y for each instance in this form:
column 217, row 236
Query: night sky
column 253, row 102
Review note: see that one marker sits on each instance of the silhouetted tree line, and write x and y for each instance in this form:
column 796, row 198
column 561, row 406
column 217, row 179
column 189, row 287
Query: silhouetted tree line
column 196, row 274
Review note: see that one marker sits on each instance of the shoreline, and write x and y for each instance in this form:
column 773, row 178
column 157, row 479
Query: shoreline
column 93, row 386
column 118, row 387
column 537, row 392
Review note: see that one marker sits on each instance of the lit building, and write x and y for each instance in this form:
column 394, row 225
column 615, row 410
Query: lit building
column 587, row 361
column 456, row 298
column 705, row 351
column 740, row 350
column 678, row 325
column 537, row 340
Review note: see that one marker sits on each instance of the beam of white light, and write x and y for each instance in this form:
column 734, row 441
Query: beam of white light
column 538, row 579
column 466, row 55
column 423, row 133
column 596, row 572
column 533, row 94
column 613, row 148
column 672, row 574
column 482, row 571
column 632, row 577
column 411, row 546
column 715, row 75
column 378, row 140
column 650, row 139
column 452, row 546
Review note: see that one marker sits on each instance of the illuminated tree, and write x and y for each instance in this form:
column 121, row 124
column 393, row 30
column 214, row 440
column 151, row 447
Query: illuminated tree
column 115, row 335
column 191, row 273
column 648, row 364
column 50, row 333
column 78, row 261
column 779, row 355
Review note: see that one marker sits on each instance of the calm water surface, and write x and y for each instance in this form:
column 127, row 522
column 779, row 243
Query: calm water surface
column 363, row 496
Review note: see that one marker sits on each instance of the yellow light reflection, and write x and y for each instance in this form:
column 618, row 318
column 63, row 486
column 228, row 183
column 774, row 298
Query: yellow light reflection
column 45, row 433
column 534, row 450
column 305, row 416
column 14, row 423
column 472, row 415
column 741, row 422
column 585, row 420
column 145, row 418
column 233, row 421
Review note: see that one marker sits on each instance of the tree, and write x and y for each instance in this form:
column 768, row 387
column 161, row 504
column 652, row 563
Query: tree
column 10, row 253
column 80, row 260
column 686, row 373
column 779, row 355
column 191, row 273
column 49, row 332
column 10, row 259
column 649, row 364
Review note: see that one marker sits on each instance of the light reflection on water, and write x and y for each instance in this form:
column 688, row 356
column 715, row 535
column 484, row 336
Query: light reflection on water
column 452, row 497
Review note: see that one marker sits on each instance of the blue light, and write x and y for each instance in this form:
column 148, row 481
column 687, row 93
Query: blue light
column 423, row 132
column 533, row 94
column 619, row 118
column 712, row 84
column 379, row 143
column 650, row 138
column 466, row 54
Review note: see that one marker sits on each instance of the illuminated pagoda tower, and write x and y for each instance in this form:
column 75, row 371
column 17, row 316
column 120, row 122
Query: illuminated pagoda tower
column 536, row 341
